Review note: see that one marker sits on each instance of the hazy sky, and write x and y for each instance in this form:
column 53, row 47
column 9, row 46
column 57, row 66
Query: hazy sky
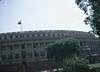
column 41, row 15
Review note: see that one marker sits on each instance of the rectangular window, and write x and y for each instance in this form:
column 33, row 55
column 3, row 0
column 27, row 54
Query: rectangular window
column 23, row 54
column 5, row 37
column 16, row 47
column 33, row 35
column 41, row 44
column 10, row 57
column 27, row 35
column 43, row 34
column 23, row 46
column 10, row 47
column 10, row 36
column 4, row 57
column 29, row 46
column 16, row 36
column 81, row 44
column 30, row 55
column 35, row 45
column 3, row 48
column 42, row 53
column 36, row 54
column 38, row 34
column 17, row 56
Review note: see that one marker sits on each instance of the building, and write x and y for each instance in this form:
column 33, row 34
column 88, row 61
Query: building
column 29, row 46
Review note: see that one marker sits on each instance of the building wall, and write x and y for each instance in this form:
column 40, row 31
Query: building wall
column 29, row 46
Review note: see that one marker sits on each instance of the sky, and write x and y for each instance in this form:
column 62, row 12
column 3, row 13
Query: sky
column 41, row 15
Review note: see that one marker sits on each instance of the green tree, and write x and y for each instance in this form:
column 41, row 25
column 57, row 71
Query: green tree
column 1, row 60
column 76, row 64
column 92, row 9
column 63, row 48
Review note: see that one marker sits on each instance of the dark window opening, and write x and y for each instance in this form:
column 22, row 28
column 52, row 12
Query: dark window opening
column 42, row 53
column 23, row 46
column 36, row 54
column 10, row 36
column 10, row 57
column 38, row 34
column 27, row 35
column 3, row 57
column 16, row 36
column 30, row 55
column 5, row 37
column 10, row 47
column 17, row 56
column 23, row 54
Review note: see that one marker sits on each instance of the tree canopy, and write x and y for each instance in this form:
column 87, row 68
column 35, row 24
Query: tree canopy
column 63, row 48
column 76, row 64
column 92, row 9
column 1, row 60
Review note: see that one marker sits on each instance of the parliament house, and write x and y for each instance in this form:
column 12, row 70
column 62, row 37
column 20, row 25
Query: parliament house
column 29, row 46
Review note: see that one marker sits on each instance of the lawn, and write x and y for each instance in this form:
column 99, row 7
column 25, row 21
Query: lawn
column 96, row 65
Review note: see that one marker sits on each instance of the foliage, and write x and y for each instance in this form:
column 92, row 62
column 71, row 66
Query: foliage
column 1, row 60
column 63, row 48
column 76, row 64
column 92, row 9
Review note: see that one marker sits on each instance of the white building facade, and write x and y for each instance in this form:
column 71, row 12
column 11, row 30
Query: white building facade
column 29, row 46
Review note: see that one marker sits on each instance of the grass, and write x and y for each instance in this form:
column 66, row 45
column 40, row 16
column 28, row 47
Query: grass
column 96, row 65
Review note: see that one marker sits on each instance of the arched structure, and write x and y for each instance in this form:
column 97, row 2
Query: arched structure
column 30, row 45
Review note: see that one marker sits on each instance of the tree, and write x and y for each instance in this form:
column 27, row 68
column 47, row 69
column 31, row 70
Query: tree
column 92, row 9
column 63, row 48
column 1, row 60
column 76, row 64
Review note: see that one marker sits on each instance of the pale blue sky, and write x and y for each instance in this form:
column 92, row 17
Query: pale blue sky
column 41, row 15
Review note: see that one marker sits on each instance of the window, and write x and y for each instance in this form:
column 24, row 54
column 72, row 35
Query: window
column 16, row 36
column 20, row 36
column 3, row 48
column 48, row 34
column 23, row 46
column 23, row 54
column 35, row 45
column 10, row 36
column 42, row 53
column 27, row 35
column 10, row 47
column 30, row 55
column 16, row 46
column 81, row 44
column 43, row 34
column 38, row 34
column 5, row 37
column 10, row 57
column 17, row 56
column 29, row 45
column 62, row 34
column 36, row 54
column 23, row 36
column 53, row 34
column 57, row 34
column 41, row 44
column 4, row 57
column 47, row 43
column 33, row 35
